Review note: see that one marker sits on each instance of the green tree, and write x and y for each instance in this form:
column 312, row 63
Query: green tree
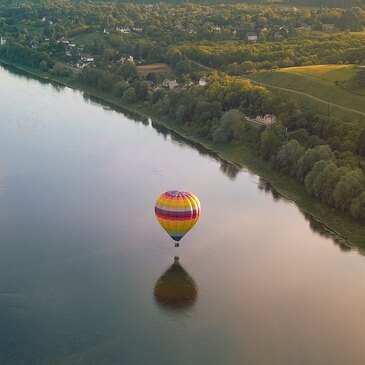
column 311, row 156
column 288, row 156
column 129, row 96
column 348, row 188
column 357, row 207
column 43, row 66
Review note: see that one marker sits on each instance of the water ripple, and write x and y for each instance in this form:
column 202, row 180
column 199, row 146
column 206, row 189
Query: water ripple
column 3, row 178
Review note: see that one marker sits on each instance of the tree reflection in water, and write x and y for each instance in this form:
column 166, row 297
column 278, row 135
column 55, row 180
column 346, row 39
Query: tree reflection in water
column 175, row 289
column 266, row 187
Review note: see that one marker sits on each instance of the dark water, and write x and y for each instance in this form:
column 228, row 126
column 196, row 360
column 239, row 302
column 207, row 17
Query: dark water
column 87, row 276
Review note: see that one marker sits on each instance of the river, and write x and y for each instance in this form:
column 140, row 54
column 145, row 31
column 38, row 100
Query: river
column 82, row 255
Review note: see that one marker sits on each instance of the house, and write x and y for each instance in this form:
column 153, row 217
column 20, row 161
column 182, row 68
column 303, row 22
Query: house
column 203, row 81
column 122, row 29
column 2, row 41
column 328, row 27
column 170, row 84
column 87, row 58
column 267, row 119
column 304, row 28
column 126, row 58
column 106, row 30
column 137, row 29
column 81, row 64
column 252, row 37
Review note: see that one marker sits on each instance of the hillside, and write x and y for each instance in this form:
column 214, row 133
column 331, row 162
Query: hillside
column 335, row 84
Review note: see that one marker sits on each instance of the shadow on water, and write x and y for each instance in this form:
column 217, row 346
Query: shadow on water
column 229, row 169
column 24, row 74
column 175, row 290
column 267, row 188
column 315, row 226
column 136, row 117
column 320, row 229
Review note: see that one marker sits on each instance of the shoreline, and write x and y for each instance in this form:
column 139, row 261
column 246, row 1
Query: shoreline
column 349, row 232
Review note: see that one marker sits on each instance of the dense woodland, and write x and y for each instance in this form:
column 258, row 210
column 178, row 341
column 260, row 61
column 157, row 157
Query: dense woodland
column 323, row 153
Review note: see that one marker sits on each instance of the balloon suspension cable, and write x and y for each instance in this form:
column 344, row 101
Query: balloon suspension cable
column 177, row 244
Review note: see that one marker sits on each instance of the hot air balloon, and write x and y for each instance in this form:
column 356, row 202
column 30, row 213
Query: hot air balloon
column 177, row 211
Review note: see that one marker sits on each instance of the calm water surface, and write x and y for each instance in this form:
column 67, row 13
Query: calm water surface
column 81, row 251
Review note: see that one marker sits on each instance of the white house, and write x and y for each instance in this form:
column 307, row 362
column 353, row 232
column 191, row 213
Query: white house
column 126, row 58
column 170, row 84
column 2, row 41
column 203, row 81
column 252, row 37
column 87, row 58
column 122, row 29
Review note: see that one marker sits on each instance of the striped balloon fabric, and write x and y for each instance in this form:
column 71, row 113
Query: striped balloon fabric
column 177, row 211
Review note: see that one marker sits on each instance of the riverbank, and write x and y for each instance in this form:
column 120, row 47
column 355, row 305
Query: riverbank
column 351, row 231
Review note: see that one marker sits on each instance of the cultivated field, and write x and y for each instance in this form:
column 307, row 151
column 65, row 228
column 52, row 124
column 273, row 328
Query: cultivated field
column 154, row 67
column 335, row 84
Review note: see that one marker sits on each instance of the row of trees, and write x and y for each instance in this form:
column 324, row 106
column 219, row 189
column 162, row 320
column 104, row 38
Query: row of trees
column 26, row 56
column 307, row 50
column 337, row 179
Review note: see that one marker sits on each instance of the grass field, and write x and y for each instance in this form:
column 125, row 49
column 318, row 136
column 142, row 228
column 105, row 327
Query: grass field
column 155, row 67
column 336, row 84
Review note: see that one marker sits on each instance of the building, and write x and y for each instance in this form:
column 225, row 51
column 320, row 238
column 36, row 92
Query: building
column 87, row 58
column 267, row 119
column 2, row 41
column 328, row 27
column 122, row 29
column 203, row 81
column 252, row 37
column 170, row 84
column 126, row 58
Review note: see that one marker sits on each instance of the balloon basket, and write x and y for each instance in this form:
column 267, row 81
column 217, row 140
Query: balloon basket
column 177, row 244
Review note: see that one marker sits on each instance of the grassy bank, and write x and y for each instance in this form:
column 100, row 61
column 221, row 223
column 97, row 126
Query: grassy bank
column 335, row 84
column 351, row 231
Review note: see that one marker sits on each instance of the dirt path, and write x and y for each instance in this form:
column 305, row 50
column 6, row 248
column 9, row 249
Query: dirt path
column 309, row 96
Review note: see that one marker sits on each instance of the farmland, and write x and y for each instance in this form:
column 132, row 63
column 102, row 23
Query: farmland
column 335, row 84
column 155, row 68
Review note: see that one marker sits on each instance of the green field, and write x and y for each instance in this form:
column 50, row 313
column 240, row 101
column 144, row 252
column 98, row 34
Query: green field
column 335, row 84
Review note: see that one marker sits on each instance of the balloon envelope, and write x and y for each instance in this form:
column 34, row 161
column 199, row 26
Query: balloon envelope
column 177, row 211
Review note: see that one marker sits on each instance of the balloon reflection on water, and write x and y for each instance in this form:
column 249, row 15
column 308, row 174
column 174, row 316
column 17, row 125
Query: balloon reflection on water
column 175, row 289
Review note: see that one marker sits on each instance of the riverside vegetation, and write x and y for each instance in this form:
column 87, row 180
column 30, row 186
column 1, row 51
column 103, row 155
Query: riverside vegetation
column 323, row 153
